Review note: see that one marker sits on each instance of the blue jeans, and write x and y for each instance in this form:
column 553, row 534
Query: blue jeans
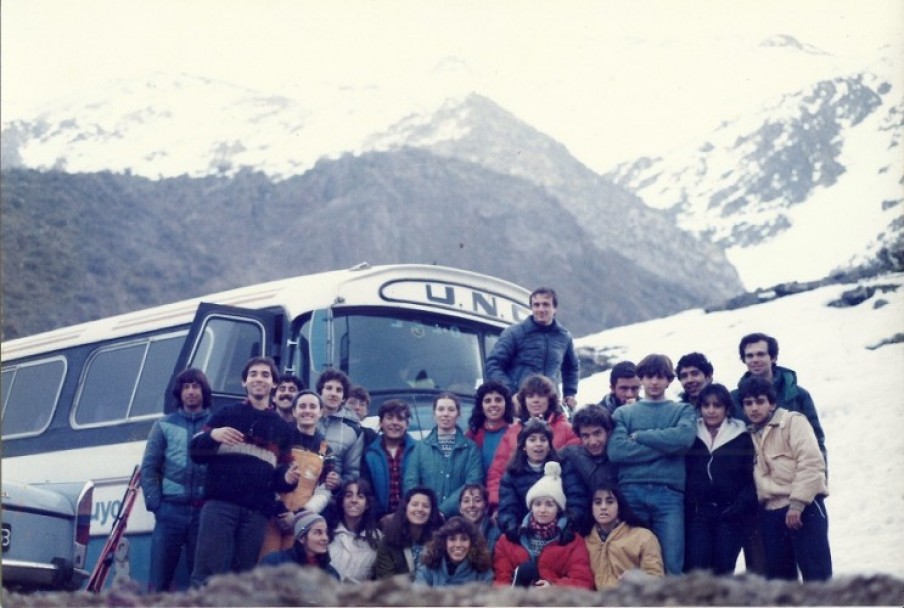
column 807, row 549
column 662, row 508
column 712, row 542
column 176, row 527
column 229, row 539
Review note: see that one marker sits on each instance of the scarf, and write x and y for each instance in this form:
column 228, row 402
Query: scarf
column 542, row 531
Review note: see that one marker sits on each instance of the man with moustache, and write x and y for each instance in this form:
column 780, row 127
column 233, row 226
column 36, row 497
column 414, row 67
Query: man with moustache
column 284, row 397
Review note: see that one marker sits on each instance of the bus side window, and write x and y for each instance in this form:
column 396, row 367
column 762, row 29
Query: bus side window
column 108, row 384
column 126, row 381
column 30, row 394
column 155, row 374
column 226, row 345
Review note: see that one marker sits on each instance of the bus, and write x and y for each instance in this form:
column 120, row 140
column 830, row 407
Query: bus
column 78, row 402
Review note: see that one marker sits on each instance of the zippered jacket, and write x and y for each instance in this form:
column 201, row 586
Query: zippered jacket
column 167, row 470
column 529, row 348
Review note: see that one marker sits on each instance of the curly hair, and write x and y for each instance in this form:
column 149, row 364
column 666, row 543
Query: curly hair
column 538, row 384
column 478, row 555
column 478, row 417
column 334, row 374
column 398, row 532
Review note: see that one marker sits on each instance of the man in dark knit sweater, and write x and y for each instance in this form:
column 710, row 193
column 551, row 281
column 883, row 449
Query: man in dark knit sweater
column 246, row 447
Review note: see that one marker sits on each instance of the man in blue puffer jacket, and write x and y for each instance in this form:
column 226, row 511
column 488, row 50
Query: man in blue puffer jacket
column 537, row 345
column 171, row 482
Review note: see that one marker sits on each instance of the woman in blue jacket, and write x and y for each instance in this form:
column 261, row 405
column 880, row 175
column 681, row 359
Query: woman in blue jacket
column 456, row 555
column 445, row 460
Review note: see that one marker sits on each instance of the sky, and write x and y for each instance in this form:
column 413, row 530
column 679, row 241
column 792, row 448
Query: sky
column 591, row 73
column 858, row 396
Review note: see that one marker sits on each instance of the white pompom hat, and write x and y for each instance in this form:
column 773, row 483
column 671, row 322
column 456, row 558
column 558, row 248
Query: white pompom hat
column 550, row 485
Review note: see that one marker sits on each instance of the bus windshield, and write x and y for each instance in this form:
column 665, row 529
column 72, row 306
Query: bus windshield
column 419, row 351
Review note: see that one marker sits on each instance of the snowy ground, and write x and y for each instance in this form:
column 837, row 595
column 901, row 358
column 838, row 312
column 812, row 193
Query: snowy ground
column 859, row 394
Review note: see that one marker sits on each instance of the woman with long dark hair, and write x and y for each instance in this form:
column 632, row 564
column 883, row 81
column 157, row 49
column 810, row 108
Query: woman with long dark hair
column 353, row 550
column 406, row 533
column 619, row 540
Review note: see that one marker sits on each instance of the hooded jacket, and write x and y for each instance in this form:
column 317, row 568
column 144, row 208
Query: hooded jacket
column 342, row 431
column 790, row 470
column 428, row 467
column 720, row 470
column 789, row 396
column 625, row 548
column 529, row 348
column 562, row 435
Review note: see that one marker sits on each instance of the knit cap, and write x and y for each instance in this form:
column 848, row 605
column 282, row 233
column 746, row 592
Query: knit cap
column 304, row 520
column 550, row 485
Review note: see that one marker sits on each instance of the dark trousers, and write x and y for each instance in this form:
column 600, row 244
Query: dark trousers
column 175, row 528
column 229, row 539
column 806, row 549
column 711, row 542
column 754, row 555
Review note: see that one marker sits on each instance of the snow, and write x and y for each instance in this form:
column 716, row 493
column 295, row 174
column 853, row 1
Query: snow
column 859, row 394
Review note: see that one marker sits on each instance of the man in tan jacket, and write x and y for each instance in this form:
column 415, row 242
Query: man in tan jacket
column 790, row 476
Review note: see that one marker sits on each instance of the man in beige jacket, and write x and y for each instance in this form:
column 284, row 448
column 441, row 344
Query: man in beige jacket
column 790, row 476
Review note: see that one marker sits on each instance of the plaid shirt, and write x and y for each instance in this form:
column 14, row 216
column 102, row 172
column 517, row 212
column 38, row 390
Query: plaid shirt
column 395, row 477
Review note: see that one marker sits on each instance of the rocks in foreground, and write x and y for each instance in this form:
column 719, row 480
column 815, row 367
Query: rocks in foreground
column 292, row 586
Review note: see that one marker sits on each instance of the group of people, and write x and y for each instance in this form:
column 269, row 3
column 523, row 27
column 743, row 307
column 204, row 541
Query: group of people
column 531, row 490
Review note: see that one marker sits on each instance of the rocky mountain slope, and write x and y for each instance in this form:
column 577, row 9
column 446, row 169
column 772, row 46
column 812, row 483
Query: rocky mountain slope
column 811, row 183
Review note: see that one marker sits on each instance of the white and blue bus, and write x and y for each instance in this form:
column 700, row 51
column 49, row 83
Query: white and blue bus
column 78, row 402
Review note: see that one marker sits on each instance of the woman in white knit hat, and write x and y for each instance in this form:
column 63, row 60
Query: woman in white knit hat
column 311, row 546
column 547, row 551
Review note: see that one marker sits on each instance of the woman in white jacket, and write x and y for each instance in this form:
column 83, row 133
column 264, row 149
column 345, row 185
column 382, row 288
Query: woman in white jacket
column 353, row 549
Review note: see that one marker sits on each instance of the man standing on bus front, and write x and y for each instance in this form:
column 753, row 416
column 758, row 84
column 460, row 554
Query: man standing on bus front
column 247, row 449
column 537, row 345
column 171, row 482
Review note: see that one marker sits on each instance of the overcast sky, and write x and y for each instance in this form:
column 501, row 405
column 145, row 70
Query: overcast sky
column 582, row 71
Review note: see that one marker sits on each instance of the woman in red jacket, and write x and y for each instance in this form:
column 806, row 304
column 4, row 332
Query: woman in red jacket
column 538, row 399
column 544, row 551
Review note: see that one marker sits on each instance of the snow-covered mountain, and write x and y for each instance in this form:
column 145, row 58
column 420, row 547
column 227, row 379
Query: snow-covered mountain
column 168, row 125
column 791, row 189
column 811, row 182
column 846, row 356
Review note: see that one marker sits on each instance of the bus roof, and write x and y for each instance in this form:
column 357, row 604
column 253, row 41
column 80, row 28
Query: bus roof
column 415, row 286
